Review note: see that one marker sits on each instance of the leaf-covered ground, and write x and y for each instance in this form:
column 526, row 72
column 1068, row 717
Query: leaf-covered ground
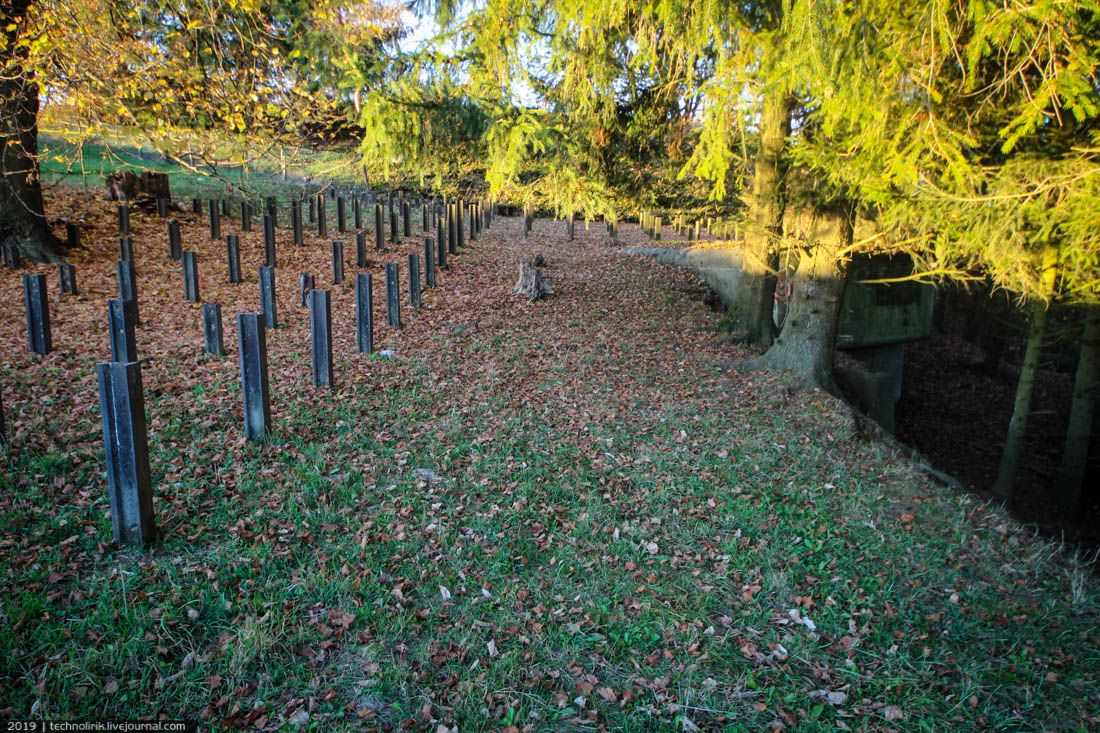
column 957, row 414
column 568, row 515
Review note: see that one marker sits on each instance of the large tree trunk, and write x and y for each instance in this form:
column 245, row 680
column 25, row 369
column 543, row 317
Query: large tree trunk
column 1075, row 454
column 750, row 315
column 805, row 345
column 1017, row 426
column 22, row 213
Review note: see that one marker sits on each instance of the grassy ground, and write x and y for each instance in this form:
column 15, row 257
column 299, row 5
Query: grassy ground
column 71, row 158
column 568, row 515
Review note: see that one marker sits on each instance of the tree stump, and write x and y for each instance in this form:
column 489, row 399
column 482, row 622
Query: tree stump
column 143, row 190
column 530, row 283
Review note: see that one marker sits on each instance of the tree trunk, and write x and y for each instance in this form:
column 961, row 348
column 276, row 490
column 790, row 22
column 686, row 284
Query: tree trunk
column 750, row 315
column 22, row 213
column 1017, row 426
column 1075, row 454
column 805, row 345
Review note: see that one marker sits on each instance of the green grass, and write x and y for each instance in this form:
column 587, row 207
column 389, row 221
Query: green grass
column 68, row 157
column 636, row 569
column 275, row 583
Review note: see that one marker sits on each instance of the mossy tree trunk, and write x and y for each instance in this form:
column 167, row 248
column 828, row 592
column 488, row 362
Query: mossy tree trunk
column 1017, row 426
column 22, row 212
column 1075, row 454
column 806, row 342
column 750, row 315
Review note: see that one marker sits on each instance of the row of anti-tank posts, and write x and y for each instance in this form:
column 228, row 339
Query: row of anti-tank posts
column 317, row 215
column 450, row 235
column 121, row 396
column 687, row 228
column 652, row 224
column 570, row 225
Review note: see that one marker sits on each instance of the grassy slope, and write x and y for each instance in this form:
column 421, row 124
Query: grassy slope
column 625, row 532
column 69, row 159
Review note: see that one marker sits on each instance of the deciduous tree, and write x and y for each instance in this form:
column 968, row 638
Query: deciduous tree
column 170, row 73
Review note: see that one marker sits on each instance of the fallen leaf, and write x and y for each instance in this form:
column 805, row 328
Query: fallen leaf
column 833, row 697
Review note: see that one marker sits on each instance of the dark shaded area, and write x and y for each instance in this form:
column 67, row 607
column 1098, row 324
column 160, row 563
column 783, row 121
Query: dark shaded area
column 956, row 411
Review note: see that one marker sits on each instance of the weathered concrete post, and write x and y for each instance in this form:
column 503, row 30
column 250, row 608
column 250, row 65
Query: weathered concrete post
column 215, row 222
column 72, row 235
column 162, row 206
column 473, row 222
column 269, row 240
column 126, row 447
column 127, row 286
column 320, row 321
column 252, row 347
column 393, row 224
column 379, row 234
column 361, row 249
column 414, row 280
column 452, row 230
column 337, row 263
column 267, row 297
column 441, row 243
column 424, row 217
column 406, row 214
column 67, row 274
column 306, row 283
column 296, row 222
column 212, row 329
column 120, row 324
column 39, row 338
column 322, row 216
column 364, row 315
column 246, row 216
column 233, row 257
column 341, row 215
column 191, row 276
column 459, row 222
column 126, row 249
column 357, row 212
column 429, row 261
column 123, row 219
column 175, row 249
column 393, row 296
